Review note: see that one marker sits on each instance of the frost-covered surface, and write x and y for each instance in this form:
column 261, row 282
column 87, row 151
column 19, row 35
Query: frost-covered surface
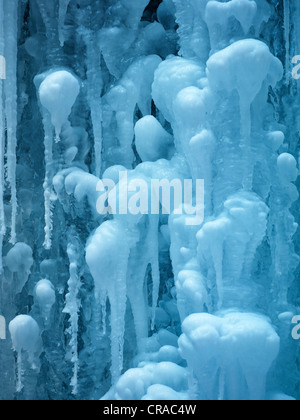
column 149, row 306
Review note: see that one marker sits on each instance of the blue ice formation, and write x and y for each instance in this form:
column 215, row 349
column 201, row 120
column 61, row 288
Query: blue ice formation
column 149, row 306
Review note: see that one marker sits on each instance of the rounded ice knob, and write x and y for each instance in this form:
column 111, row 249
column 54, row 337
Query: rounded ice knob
column 45, row 296
column 58, row 93
column 25, row 334
column 287, row 167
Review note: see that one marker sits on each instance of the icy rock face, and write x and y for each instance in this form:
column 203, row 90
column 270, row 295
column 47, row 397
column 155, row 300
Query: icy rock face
column 149, row 306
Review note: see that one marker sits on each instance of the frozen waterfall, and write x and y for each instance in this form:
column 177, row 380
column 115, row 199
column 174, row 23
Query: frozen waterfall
column 110, row 288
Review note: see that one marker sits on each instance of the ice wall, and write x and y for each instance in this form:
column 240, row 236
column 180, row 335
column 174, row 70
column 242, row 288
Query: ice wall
column 149, row 306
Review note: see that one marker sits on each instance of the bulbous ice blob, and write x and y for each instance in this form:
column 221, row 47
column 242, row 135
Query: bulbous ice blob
column 244, row 66
column 237, row 344
column 164, row 393
column 287, row 168
column 151, row 140
column 25, row 334
column 58, row 93
column 275, row 140
column 19, row 260
column 171, row 77
column 218, row 13
column 133, row 385
column 45, row 296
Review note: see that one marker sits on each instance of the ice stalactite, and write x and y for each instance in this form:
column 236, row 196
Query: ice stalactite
column 73, row 306
column 48, row 143
column 230, row 248
column 10, row 90
column 287, row 31
column 25, row 335
column 154, row 261
column 110, row 247
column 281, row 230
column 49, row 16
column 193, row 31
column 57, row 93
column 2, row 136
column 94, row 93
column 62, row 12
column 237, row 64
column 117, row 37
column 133, row 90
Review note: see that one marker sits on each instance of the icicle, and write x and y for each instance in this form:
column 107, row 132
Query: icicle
column 110, row 247
column 48, row 143
column 10, row 89
column 103, row 301
column 2, row 138
column 19, row 372
column 73, row 306
column 287, row 39
column 63, row 7
column 94, row 91
column 154, row 260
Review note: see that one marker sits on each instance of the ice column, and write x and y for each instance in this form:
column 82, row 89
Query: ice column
column 245, row 66
column 10, row 90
